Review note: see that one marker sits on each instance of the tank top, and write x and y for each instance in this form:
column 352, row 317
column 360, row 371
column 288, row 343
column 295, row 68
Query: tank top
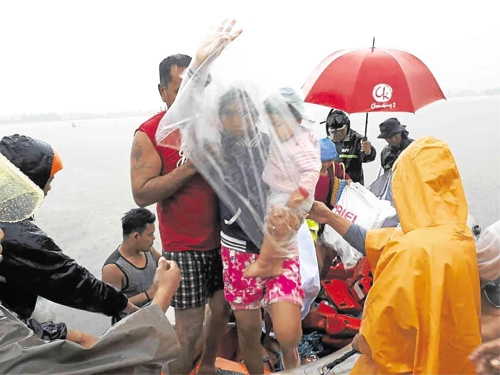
column 138, row 280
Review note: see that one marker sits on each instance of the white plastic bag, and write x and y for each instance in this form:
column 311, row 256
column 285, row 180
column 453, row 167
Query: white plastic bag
column 309, row 272
column 358, row 205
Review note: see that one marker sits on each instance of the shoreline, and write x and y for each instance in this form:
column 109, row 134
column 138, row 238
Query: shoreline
column 153, row 112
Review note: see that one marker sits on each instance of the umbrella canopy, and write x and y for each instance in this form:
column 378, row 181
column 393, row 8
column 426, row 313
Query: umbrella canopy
column 372, row 80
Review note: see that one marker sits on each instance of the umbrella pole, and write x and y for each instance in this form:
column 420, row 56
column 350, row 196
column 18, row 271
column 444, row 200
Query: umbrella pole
column 366, row 119
column 366, row 126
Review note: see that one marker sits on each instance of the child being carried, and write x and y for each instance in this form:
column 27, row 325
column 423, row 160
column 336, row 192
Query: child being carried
column 291, row 172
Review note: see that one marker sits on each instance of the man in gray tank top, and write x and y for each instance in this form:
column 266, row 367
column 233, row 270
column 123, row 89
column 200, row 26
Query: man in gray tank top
column 131, row 267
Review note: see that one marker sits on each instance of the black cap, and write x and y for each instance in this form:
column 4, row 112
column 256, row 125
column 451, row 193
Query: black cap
column 390, row 127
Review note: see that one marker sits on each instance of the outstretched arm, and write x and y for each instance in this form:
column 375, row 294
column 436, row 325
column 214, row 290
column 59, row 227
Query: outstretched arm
column 57, row 277
column 352, row 233
column 190, row 99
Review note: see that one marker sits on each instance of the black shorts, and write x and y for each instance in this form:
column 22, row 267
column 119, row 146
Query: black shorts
column 201, row 273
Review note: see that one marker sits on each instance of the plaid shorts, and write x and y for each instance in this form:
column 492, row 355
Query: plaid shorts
column 201, row 273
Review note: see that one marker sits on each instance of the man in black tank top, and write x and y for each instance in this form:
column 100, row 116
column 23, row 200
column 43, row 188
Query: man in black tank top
column 131, row 267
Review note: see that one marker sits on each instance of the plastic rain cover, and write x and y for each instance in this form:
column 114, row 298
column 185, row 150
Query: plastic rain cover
column 19, row 196
column 248, row 139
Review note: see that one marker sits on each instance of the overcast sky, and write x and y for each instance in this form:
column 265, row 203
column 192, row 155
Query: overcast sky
column 103, row 55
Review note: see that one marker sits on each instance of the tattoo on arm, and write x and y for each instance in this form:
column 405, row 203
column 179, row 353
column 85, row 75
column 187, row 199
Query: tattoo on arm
column 136, row 155
column 136, row 151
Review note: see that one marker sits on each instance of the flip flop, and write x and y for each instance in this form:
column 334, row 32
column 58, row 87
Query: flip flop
column 278, row 365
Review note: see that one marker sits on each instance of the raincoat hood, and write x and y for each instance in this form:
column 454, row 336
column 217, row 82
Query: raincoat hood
column 33, row 265
column 33, row 157
column 422, row 313
column 427, row 188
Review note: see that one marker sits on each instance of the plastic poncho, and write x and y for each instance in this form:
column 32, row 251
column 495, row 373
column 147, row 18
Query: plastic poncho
column 488, row 252
column 422, row 313
column 247, row 141
column 139, row 344
column 33, row 265
column 19, row 196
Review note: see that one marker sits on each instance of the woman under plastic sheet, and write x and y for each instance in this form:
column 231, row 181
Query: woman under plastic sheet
column 227, row 131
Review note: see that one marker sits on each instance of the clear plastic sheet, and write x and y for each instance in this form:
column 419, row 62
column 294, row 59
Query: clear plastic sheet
column 19, row 196
column 249, row 139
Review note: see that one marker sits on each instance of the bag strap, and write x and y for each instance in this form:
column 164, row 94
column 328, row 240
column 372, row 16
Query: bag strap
column 342, row 166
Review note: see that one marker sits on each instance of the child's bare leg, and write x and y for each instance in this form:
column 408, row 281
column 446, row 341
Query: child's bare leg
column 267, row 264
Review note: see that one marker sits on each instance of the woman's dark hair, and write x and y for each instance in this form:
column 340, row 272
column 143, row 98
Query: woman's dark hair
column 239, row 96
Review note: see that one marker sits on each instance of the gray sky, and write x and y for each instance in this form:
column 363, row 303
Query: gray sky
column 103, row 55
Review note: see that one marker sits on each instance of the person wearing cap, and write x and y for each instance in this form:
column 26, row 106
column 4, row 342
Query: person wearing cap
column 352, row 147
column 33, row 265
column 422, row 314
column 329, row 169
column 397, row 140
column 487, row 355
column 329, row 176
column 488, row 259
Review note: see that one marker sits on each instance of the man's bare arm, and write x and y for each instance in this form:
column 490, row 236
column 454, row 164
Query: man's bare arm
column 321, row 214
column 140, row 299
column 148, row 185
column 156, row 254
column 112, row 275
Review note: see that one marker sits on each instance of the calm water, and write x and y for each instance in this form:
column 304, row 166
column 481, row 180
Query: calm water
column 83, row 210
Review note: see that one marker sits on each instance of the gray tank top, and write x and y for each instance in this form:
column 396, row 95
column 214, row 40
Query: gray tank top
column 138, row 280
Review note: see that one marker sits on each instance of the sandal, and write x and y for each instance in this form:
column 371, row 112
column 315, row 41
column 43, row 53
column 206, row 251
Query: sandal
column 278, row 363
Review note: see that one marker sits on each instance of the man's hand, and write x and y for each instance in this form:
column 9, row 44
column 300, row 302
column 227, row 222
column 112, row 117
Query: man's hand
column 167, row 278
column 131, row 308
column 355, row 343
column 487, row 358
column 214, row 44
column 152, row 290
column 319, row 212
column 190, row 165
column 81, row 338
column 366, row 147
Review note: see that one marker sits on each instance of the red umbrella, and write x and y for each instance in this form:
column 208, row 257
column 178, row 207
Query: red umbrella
column 372, row 80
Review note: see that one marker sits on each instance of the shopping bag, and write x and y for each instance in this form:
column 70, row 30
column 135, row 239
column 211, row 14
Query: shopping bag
column 358, row 205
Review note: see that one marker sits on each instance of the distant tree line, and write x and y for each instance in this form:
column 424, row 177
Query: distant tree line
column 52, row 116
column 466, row 92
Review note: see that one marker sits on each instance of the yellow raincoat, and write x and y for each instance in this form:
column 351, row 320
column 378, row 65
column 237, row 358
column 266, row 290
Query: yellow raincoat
column 422, row 313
